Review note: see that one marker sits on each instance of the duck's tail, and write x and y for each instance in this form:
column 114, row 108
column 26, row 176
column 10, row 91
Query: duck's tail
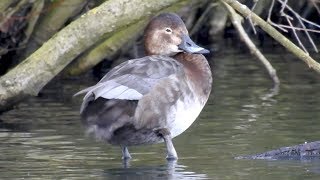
column 88, row 97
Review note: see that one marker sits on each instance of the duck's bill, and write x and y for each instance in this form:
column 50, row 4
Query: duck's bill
column 189, row 46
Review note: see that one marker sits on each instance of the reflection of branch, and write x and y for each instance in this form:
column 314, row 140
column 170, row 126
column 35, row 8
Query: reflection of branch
column 236, row 21
column 273, row 92
column 245, row 11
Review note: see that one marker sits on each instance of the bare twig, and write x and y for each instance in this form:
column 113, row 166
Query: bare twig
column 301, row 21
column 310, row 22
column 299, row 29
column 283, row 7
column 271, row 22
column 270, row 10
column 308, row 35
column 299, row 17
column 314, row 2
column 236, row 21
column 295, row 35
column 249, row 18
column 252, row 25
column 245, row 11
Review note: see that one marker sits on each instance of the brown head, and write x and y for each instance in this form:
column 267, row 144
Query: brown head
column 166, row 34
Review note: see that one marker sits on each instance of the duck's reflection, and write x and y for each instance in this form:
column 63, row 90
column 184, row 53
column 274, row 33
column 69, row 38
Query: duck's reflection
column 171, row 170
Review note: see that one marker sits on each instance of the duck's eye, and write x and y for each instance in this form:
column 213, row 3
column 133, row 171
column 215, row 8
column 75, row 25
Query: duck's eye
column 168, row 30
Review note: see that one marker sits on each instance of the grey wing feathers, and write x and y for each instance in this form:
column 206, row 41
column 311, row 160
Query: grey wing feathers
column 132, row 79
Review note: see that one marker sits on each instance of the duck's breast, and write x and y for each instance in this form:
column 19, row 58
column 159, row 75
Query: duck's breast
column 187, row 110
column 195, row 94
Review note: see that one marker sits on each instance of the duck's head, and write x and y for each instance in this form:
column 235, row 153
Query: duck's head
column 166, row 34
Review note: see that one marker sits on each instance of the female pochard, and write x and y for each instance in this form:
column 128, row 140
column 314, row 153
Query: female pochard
column 154, row 98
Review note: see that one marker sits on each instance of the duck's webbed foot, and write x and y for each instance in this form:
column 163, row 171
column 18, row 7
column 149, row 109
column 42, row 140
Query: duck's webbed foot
column 171, row 151
column 125, row 153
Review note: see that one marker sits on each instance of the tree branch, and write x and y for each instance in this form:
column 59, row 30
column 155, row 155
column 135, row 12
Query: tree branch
column 245, row 11
column 236, row 21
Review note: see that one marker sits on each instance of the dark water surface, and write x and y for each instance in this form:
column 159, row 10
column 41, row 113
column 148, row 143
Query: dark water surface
column 44, row 139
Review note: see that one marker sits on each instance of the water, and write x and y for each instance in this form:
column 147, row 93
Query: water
column 43, row 138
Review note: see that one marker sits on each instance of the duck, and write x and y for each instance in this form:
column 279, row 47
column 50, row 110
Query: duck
column 151, row 99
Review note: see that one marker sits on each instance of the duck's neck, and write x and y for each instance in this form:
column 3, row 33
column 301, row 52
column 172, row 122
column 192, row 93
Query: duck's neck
column 197, row 70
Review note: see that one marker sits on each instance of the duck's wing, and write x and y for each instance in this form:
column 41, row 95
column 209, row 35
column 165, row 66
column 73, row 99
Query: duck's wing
column 132, row 79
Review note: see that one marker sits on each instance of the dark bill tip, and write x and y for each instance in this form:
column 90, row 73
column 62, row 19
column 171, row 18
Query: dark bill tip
column 189, row 46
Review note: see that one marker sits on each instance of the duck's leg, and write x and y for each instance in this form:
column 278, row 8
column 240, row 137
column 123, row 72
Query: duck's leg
column 125, row 153
column 171, row 151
